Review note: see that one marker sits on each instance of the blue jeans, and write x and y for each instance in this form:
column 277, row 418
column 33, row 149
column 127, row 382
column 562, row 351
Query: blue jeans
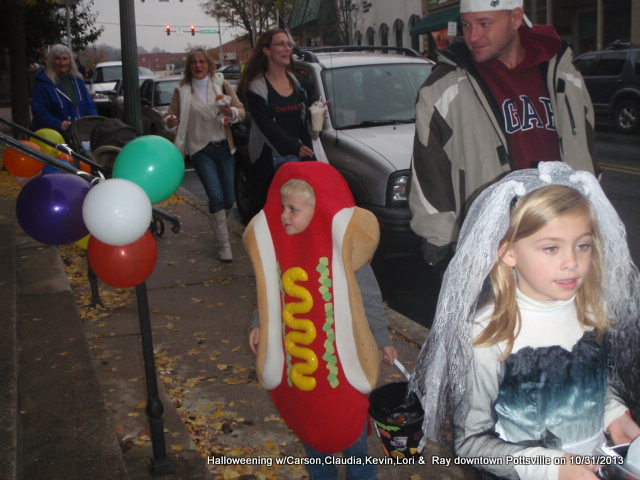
column 215, row 166
column 354, row 472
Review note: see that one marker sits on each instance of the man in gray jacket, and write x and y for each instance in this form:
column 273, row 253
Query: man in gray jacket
column 505, row 99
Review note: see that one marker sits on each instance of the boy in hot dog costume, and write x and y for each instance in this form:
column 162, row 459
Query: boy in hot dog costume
column 317, row 354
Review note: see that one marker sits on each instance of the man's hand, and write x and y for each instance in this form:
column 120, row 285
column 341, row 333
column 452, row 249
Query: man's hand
column 436, row 255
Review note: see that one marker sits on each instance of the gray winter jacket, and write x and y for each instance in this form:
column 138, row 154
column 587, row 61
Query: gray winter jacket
column 460, row 146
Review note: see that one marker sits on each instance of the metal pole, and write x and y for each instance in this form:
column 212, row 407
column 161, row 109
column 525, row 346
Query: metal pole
column 600, row 25
column 93, row 284
column 534, row 11
column 549, row 12
column 221, row 55
column 159, row 463
column 68, row 18
column 130, row 77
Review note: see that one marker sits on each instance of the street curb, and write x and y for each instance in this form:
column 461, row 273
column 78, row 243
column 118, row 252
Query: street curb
column 8, row 345
column 70, row 422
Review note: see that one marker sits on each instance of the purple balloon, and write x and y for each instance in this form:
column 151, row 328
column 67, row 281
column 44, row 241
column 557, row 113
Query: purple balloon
column 49, row 208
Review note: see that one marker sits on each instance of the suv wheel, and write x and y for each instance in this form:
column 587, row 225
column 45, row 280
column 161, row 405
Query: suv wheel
column 242, row 184
column 626, row 116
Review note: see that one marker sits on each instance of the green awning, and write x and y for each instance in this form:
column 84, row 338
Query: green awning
column 304, row 12
column 436, row 21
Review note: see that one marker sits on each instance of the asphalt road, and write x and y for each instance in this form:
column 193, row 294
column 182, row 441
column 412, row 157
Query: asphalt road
column 411, row 287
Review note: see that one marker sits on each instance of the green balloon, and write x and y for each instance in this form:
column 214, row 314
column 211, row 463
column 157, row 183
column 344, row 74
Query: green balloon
column 154, row 163
column 51, row 135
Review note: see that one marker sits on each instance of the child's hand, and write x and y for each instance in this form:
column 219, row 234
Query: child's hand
column 389, row 354
column 623, row 429
column 569, row 471
column 254, row 339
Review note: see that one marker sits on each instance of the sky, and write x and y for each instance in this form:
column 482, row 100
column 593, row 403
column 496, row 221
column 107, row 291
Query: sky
column 152, row 16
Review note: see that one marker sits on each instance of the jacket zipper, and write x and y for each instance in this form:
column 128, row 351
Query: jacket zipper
column 559, row 57
column 503, row 151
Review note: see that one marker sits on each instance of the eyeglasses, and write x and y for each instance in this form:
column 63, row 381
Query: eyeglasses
column 283, row 44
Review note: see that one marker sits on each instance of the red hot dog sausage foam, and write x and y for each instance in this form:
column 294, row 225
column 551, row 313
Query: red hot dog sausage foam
column 316, row 355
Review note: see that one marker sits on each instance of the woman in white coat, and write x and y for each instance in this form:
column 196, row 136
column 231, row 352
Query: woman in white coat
column 202, row 108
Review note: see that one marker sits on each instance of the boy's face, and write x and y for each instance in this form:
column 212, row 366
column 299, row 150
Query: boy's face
column 297, row 212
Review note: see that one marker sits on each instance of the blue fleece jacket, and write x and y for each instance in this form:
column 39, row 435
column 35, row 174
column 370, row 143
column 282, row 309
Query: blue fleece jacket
column 50, row 106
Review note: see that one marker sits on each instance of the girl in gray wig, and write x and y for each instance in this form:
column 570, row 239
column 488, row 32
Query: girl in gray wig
column 541, row 287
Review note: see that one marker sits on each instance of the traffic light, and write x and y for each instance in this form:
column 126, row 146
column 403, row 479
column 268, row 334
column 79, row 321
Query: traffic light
column 168, row 29
column 193, row 30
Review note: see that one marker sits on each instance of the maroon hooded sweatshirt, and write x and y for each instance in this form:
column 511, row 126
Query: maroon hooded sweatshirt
column 523, row 98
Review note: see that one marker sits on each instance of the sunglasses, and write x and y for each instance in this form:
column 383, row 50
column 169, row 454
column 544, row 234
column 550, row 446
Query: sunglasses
column 283, row 44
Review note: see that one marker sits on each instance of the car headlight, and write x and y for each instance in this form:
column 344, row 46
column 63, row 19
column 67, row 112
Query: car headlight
column 397, row 188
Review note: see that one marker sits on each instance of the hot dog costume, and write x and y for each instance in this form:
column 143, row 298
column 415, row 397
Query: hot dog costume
column 317, row 355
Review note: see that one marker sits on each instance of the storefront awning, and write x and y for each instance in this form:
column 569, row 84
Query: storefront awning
column 436, row 21
column 304, row 12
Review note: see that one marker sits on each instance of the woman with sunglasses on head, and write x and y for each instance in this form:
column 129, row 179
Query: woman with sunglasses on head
column 278, row 105
column 202, row 109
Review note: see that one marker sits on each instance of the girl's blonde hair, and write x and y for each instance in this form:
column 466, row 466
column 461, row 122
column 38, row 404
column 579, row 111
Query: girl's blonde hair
column 298, row 186
column 529, row 215
column 54, row 52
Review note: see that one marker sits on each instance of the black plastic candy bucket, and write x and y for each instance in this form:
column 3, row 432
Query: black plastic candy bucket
column 398, row 420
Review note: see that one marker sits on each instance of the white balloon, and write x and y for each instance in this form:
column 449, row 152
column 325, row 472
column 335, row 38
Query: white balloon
column 117, row 211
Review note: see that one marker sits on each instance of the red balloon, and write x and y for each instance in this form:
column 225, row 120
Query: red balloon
column 123, row 266
column 20, row 164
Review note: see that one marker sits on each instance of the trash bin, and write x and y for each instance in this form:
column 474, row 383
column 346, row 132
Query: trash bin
column 398, row 420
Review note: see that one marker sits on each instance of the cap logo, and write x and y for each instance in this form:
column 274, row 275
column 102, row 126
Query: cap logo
column 494, row 3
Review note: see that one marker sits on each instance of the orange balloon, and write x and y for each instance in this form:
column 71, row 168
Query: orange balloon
column 20, row 164
column 84, row 166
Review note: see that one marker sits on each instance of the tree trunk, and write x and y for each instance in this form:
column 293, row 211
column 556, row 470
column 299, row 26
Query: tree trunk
column 18, row 77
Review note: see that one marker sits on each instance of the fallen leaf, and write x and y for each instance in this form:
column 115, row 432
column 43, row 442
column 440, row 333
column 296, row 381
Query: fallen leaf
column 273, row 418
column 237, row 380
column 177, row 448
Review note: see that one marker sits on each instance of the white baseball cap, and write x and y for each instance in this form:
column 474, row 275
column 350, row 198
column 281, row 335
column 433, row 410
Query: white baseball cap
column 470, row 6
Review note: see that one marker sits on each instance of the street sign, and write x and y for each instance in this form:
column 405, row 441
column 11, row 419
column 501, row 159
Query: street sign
column 207, row 31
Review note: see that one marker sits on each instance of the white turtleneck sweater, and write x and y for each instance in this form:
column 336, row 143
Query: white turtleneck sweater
column 543, row 324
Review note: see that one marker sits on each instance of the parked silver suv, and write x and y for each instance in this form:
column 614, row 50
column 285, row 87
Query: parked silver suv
column 369, row 134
